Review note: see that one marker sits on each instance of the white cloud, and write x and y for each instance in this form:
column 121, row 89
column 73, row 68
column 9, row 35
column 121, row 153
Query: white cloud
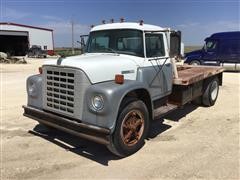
column 51, row 18
column 63, row 31
column 194, row 33
column 12, row 14
column 64, row 27
column 190, row 24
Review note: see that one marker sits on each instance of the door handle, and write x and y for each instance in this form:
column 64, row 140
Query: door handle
column 211, row 53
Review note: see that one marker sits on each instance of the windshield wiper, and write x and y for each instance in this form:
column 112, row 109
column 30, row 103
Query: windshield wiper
column 112, row 50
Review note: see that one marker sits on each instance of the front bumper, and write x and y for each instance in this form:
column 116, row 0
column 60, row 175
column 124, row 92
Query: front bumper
column 83, row 130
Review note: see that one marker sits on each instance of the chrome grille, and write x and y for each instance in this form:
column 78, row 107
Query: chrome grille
column 64, row 90
column 60, row 86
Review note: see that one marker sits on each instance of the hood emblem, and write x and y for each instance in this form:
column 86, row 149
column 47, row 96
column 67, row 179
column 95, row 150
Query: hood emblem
column 128, row 72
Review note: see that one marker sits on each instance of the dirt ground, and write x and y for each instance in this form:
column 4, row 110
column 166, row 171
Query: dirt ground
column 190, row 143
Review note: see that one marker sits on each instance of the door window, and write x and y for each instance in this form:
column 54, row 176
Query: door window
column 210, row 46
column 154, row 45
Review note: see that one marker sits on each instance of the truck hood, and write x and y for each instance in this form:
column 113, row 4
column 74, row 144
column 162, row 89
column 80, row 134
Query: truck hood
column 194, row 53
column 101, row 67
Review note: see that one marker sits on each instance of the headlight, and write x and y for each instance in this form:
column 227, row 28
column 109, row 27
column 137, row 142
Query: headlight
column 97, row 102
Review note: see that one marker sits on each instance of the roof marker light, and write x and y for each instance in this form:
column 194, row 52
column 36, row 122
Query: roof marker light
column 92, row 26
column 122, row 20
column 141, row 22
column 103, row 22
column 112, row 20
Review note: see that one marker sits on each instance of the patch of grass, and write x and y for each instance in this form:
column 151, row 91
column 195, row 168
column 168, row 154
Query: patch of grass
column 67, row 51
column 191, row 48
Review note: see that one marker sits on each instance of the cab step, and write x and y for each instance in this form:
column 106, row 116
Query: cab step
column 163, row 110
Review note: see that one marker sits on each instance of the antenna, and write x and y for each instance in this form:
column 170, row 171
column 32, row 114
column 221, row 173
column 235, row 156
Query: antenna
column 72, row 24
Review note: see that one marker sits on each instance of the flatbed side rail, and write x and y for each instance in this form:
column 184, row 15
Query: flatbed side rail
column 191, row 74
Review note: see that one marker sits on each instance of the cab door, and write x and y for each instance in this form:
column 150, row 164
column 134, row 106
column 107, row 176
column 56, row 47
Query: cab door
column 210, row 52
column 157, row 70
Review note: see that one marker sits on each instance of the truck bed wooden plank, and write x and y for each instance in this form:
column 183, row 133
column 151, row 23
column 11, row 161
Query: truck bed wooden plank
column 190, row 74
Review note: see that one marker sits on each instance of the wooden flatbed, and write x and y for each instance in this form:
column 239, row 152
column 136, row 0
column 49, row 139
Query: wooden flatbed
column 188, row 74
column 192, row 82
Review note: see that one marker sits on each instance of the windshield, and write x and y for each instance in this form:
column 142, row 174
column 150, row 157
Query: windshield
column 123, row 41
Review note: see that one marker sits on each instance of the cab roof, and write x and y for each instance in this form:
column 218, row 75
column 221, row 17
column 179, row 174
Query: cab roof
column 127, row 25
column 225, row 35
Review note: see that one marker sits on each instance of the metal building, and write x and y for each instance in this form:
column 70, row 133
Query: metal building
column 16, row 39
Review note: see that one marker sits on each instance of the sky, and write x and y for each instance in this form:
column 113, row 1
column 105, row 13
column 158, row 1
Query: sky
column 197, row 19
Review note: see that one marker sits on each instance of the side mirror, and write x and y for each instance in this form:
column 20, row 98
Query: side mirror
column 175, row 44
column 82, row 42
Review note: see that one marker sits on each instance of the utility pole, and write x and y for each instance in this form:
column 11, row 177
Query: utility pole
column 72, row 23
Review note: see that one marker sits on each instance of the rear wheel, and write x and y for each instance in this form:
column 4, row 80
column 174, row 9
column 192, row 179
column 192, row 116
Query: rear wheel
column 131, row 128
column 211, row 93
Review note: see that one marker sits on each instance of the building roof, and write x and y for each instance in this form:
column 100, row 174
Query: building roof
column 27, row 26
column 127, row 25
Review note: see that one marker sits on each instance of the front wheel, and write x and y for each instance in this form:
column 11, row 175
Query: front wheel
column 195, row 63
column 131, row 129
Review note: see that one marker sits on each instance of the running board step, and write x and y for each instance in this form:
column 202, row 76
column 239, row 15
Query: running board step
column 163, row 110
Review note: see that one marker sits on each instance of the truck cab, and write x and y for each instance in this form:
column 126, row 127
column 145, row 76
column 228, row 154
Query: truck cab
column 126, row 78
column 220, row 49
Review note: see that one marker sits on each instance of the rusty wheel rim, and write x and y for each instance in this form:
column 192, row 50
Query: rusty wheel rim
column 132, row 127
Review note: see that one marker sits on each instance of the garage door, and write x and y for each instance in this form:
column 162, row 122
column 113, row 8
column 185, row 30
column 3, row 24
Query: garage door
column 14, row 43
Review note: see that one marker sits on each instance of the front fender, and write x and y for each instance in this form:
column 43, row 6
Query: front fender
column 113, row 95
column 190, row 57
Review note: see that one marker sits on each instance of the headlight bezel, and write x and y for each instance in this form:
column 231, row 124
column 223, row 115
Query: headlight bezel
column 97, row 102
column 31, row 89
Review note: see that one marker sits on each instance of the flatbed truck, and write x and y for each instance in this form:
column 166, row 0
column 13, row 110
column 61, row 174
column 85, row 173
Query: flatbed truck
column 126, row 78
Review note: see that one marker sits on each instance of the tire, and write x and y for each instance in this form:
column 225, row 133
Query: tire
column 210, row 94
column 195, row 63
column 131, row 128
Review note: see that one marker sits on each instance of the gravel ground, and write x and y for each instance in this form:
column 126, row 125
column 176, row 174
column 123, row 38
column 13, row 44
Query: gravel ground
column 190, row 143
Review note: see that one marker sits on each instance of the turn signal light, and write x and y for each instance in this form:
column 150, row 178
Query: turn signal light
column 40, row 70
column 119, row 79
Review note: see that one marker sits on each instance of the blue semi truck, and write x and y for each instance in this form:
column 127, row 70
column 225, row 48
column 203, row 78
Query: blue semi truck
column 220, row 49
